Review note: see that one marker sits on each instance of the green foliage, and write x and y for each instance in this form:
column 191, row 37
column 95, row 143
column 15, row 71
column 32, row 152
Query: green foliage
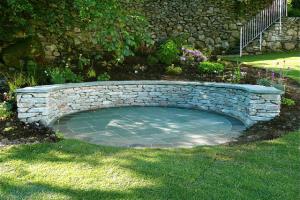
column 82, row 62
column 23, row 49
column 237, row 75
column 288, row 102
column 296, row 4
column 56, row 76
column 173, row 70
column 60, row 76
column 18, row 80
column 152, row 60
column 264, row 82
column 32, row 68
column 103, row 77
column 168, row 52
column 116, row 28
column 294, row 8
column 180, row 40
column 5, row 110
column 91, row 73
column 210, row 67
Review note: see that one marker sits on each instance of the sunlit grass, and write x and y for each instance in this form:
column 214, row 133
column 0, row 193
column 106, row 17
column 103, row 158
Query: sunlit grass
column 71, row 169
column 288, row 61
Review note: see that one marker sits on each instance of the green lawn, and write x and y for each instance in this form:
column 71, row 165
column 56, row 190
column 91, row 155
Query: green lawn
column 271, row 60
column 76, row 170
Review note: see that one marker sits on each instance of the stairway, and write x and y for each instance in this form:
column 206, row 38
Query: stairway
column 274, row 40
column 255, row 27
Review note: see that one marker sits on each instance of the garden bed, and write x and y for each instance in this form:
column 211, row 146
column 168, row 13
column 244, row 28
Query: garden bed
column 12, row 131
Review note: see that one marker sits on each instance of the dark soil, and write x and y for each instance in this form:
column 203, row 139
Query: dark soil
column 12, row 131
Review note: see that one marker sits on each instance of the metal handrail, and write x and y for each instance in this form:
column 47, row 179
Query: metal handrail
column 262, row 21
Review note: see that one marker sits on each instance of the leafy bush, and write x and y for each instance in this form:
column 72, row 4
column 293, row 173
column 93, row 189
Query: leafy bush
column 168, row 52
column 152, row 60
column 172, row 70
column 5, row 110
column 32, row 68
column 180, row 40
column 294, row 8
column 237, row 75
column 18, row 80
column 56, row 76
column 116, row 28
column 103, row 77
column 264, row 82
column 296, row 4
column 91, row 73
column 210, row 67
column 60, row 76
column 288, row 102
column 270, row 80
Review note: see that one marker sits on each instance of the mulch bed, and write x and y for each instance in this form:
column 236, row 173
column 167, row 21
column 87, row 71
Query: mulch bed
column 12, row 131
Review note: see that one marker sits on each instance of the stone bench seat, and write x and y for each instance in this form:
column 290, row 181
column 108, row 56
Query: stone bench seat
column 248, row 103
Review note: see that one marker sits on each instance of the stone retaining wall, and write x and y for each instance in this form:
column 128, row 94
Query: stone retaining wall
column 274, row 41
column 248, row 103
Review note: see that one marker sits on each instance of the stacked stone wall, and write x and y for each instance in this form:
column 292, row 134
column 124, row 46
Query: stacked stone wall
column 247, row 103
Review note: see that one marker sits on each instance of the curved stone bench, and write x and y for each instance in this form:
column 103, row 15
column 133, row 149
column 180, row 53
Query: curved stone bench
column 248, row 103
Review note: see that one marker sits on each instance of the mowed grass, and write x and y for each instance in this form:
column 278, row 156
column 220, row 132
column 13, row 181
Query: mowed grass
column 71, row 169
column 288, row 61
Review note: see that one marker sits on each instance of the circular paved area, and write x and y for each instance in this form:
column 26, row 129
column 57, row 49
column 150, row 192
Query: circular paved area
column 150, row 127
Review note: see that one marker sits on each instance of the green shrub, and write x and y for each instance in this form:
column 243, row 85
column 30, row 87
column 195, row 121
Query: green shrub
column 32, row 68
column 293, row 12
column 237, row 75
column 18, row 80
column 288, row 102
column 103, row 77
column 152, row 60
column 296, row 4
column 116, row 28
column 210, row 67
column 91, row 73
column 56, row 76
column 71, row 76
column 168, row 52
column 5, row 110
column 172, row 70
column 294, row 8
column 264, row 82
column 60, row 76
column 180, row 40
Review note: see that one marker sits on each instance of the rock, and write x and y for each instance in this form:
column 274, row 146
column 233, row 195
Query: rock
column 209, row 41
column 289, row 46
column 191, row 40
column 5, row 141
column 56, row 54
column 77, row 30
column 225, row 45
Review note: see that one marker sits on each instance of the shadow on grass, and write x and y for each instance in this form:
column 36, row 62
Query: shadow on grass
column 28, row 191
column 252, row 171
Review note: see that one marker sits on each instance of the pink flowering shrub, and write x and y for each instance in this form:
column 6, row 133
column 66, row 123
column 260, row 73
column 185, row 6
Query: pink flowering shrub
column 191, row 56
